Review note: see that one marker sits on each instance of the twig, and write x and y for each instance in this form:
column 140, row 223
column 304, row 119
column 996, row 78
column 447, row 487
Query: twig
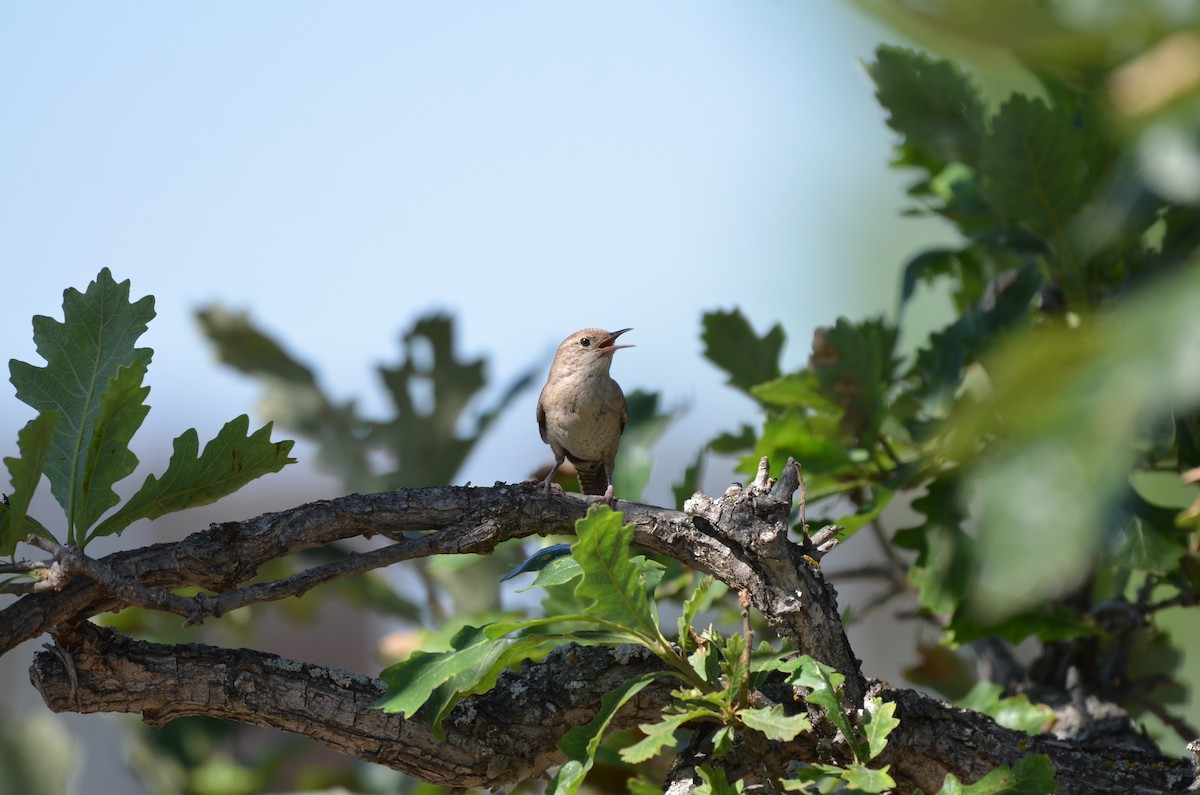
column 22, row 566
column 127, row 590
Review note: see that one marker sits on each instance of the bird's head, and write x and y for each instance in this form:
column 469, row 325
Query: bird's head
column 589, row 348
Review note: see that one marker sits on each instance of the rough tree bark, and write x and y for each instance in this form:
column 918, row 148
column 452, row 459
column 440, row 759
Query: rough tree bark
column 508, row 734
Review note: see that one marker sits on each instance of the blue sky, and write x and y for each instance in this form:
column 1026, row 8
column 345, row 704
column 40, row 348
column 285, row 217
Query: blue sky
column 531, row 168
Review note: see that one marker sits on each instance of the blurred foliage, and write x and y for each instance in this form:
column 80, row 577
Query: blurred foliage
column 28, row 768
column 425, row 441
column 1033, row 433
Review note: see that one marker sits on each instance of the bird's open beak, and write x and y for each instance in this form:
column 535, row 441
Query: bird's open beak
column 606, row 348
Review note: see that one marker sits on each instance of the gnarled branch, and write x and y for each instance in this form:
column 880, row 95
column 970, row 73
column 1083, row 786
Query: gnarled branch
column 510, row 733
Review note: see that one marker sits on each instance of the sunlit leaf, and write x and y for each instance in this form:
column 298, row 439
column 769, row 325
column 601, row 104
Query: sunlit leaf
column 659, row 735
column 772, row 722
column 581, row 742
column 879, row 722
column 824, row 682
column 1012, row 712
column 438, row 679
column 866, row 779
column 618, row 589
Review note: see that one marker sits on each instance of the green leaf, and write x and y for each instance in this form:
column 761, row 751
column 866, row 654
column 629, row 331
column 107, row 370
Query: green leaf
column 690, row 483
column 731, row 443
column 642, row 786
column 539, row 560
column 83, row 354
column 425, row 436
column 823, row 682
column 1048, row 623
column 1014, row 712
column 1032, row 775
column 34, row 442
column 634, row 462
column 698, row 600
column 801, row 390
column 227, row 463
column 617, row 587
column 803, row 778
column 499, row 629
column 292, row 396
column 109, row 459
column 1074, row 403
column 472, row 664
column 932, row 104
column 943, row 569
column 773, row 723
column 731, row 344
column 581, row 742
column 927, row 267
column 880, row 721
column 865, row 779
column 734, row 665
column 880, row 498
column 704, row 662
column 854, row 364
column 248, row 350
column 715, row 782
column 722, row 741
column 794, row 433
column 1033, row 170
column 558, row 572
column 660, row 735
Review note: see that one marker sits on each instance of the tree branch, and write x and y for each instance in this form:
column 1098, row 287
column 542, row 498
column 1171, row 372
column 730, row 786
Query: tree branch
column 493, row 740
column 740, row 538
column 509, row 733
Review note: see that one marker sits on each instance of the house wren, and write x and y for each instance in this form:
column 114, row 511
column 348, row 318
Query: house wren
column 581, row 411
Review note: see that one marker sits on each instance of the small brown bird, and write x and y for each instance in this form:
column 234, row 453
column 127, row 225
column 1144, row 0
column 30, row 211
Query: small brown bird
column 581, row 412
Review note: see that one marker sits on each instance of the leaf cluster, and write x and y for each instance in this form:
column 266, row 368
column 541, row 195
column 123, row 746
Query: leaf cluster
column 90, row 401
column 1039, row 432
column 719, row 678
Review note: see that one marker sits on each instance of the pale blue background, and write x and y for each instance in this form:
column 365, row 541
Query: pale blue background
column 533, row 168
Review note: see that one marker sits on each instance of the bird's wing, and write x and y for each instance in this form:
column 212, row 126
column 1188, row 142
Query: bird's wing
column 541, row 415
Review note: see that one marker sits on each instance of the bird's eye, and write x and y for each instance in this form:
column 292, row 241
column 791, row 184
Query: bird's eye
column 586, row 342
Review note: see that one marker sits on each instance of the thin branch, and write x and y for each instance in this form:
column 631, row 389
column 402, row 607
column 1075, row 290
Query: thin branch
column 128, row 590
column 22, row 566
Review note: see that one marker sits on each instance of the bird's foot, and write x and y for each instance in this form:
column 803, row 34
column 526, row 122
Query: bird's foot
column 607, row 499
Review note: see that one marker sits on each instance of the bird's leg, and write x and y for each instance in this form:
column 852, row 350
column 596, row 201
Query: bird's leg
column 607, row 499
column 550, row 478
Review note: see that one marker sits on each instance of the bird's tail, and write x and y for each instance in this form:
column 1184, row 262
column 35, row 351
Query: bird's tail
column 593, row 479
